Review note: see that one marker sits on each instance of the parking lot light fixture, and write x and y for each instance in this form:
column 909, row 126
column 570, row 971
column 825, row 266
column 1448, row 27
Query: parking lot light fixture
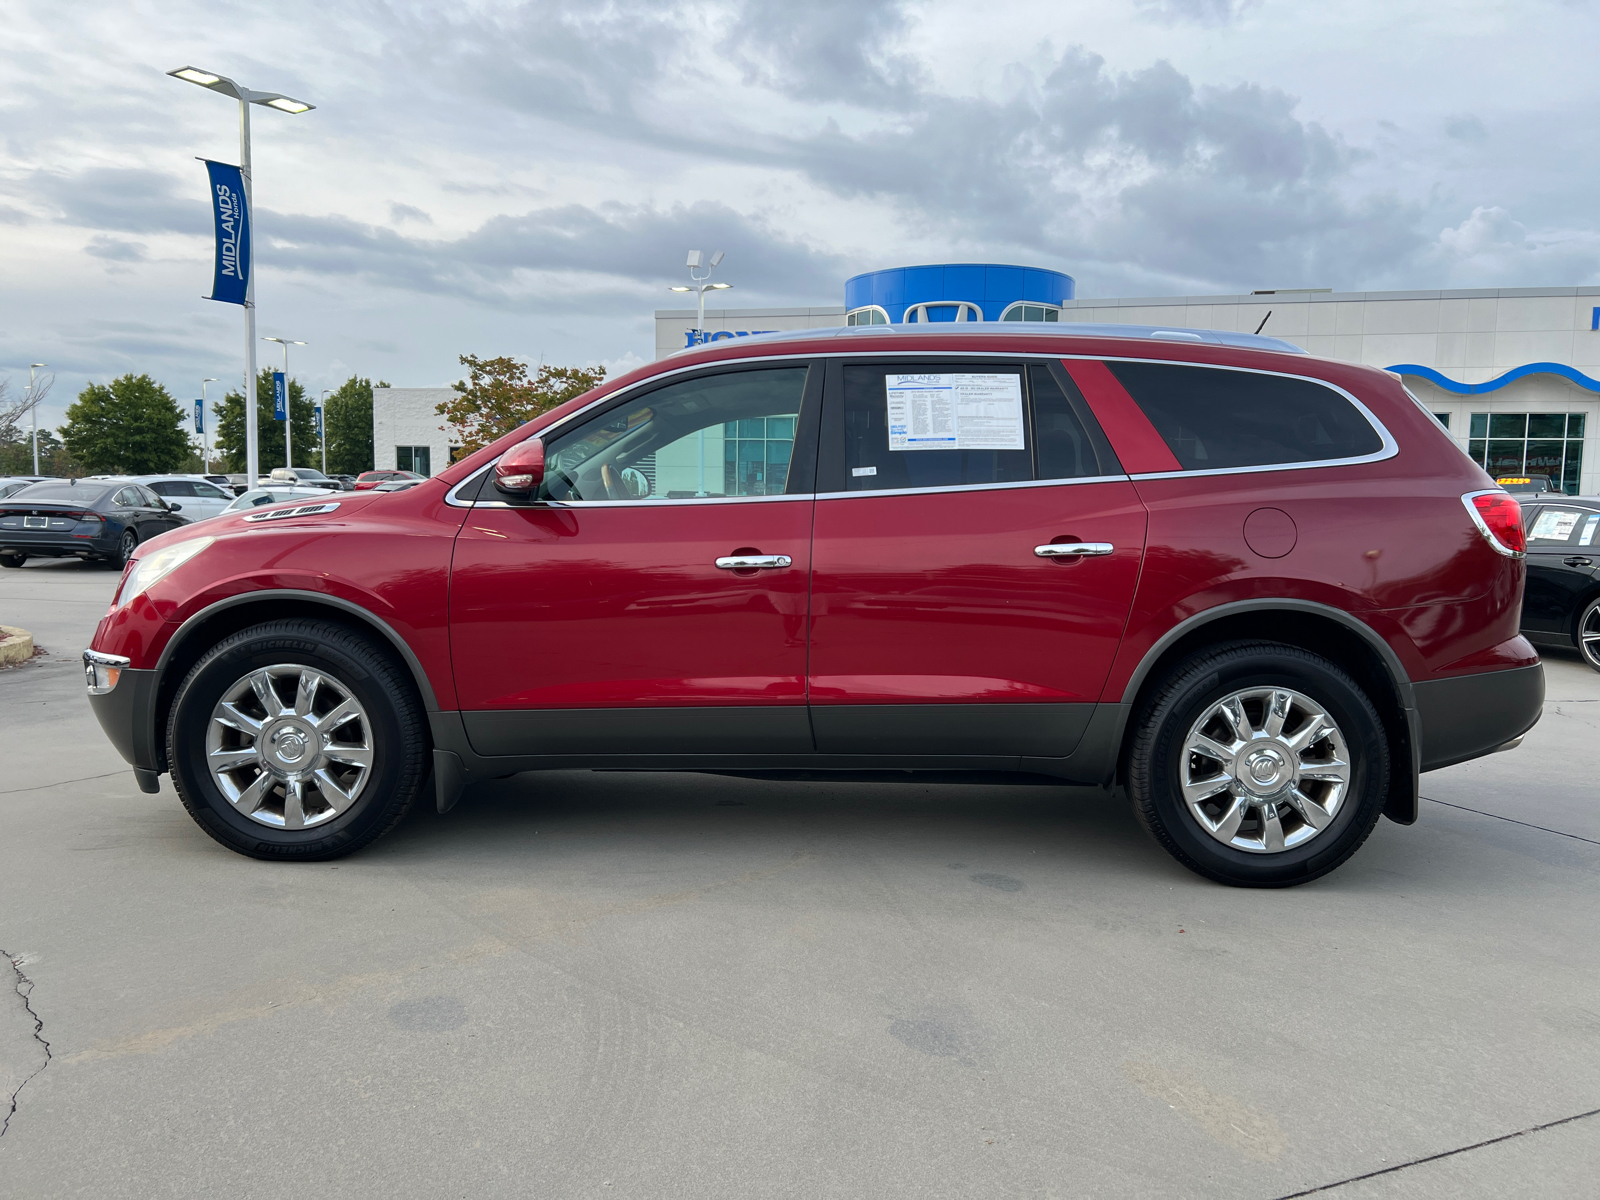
column 246, row 97
column 700, row 286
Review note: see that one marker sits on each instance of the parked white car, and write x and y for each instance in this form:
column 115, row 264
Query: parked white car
column 256, row 497
column 15, row 483
column 196, row 497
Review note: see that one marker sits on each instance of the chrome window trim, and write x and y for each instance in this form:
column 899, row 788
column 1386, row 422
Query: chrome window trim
column 974, row 487
column 1389, row 450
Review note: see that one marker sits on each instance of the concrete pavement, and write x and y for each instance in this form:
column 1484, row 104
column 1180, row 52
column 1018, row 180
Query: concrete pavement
column 595, row 984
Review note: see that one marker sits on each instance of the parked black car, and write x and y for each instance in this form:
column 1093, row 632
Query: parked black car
column 1561, row 605
column 84, row 518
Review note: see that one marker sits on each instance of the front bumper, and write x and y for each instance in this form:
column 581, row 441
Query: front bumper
column 1473, row 715
column 127, row 713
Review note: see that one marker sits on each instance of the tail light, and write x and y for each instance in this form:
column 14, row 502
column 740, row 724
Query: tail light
column 1499, row 518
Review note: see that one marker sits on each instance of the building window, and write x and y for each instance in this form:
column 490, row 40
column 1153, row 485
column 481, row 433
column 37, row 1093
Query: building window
column 413, row 458
column 943, row 310
column 755, row 455
column 1529, row 444
column 1443, row 419
column 870, row 315
column 1031, row 312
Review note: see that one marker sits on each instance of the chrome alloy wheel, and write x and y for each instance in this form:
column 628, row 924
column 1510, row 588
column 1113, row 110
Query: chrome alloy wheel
column 1589, row 635
column 289, row 746
column 1265, row 770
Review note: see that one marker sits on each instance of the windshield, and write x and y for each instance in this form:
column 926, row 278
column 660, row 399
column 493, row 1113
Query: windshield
column 259, row 496
column 62, row 490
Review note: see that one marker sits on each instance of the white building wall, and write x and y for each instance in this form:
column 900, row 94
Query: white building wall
column 406, row 417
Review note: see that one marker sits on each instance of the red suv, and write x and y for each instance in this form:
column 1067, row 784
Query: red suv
column 1260, row 591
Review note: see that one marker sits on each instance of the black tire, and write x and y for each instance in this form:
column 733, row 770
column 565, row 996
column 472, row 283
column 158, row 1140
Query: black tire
column 399, row 736
column 12, row 560
column 1588, row 627
column 1156, row 755
column 125, row 549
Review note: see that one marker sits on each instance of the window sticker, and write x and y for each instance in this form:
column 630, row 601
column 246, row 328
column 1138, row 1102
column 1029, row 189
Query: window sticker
column 1587, row 535
column 859, row 472
column 1554, row 525
column 955, row 412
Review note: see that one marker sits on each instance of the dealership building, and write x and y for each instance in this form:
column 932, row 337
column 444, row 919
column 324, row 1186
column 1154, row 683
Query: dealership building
column 1513, row 373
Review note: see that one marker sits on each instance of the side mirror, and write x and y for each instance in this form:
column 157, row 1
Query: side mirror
column 520, row 470
column 171, row 507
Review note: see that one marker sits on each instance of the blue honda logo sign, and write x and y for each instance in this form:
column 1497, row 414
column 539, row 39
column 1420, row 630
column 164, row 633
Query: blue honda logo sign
column 280, row 397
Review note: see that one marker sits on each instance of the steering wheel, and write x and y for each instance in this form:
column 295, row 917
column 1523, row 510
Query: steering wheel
column 612, row 484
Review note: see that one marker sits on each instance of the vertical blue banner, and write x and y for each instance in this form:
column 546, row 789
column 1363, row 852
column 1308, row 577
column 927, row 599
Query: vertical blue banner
column 230, row 282
column 318, row 413
column 200, row 417
column 280, row 397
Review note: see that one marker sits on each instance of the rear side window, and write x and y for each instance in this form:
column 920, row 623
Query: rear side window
column 951, row 424
column 1212, row 417
column 1561, row 526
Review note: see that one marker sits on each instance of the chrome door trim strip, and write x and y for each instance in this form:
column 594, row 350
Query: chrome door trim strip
column 1389, row 449
column 973, row 487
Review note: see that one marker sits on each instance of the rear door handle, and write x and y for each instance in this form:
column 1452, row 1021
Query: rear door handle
column 1074, row 550
column 746, row 562
column 1577, row 560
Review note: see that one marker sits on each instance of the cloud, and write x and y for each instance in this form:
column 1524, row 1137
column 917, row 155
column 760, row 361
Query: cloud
column 1199, row 12
column 1491, row 247
column 826, row 50
column 115, row 249
column 1465, row 128
column 405, row 212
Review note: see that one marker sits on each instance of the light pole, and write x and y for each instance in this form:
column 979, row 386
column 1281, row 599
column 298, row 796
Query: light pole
column 246, row 97
column 205, row 425
column 701, row 287
column 288, row 402
column 322, row 428
column 33, row 410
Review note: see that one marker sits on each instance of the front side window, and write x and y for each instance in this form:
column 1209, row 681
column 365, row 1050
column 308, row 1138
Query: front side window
column 942, row 425
column 1213, row 418
column 714, row 437
column 207, row 491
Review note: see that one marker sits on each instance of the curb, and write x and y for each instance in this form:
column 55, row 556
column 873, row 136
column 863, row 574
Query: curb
column 16, row 645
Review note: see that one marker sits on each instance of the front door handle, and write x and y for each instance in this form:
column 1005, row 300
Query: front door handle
column 1577, row 560
column 1074, row 550
column 750, row 562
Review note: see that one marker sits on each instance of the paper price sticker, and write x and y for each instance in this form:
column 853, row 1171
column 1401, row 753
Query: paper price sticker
column 955, row 412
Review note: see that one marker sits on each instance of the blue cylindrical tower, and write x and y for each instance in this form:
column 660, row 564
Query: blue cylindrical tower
column 956, row 292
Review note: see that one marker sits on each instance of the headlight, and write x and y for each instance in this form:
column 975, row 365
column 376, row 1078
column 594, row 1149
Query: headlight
column 157, row 565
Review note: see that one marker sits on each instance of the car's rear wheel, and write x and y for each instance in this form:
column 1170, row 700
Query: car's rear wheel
column 125, row 548
column 1258, row 764
column 297, row 739
column 1589, row 633
column 12, row 560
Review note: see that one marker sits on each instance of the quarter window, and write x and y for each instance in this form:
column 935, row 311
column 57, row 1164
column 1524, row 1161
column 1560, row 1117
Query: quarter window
column 1213, row 418
column 718, row 436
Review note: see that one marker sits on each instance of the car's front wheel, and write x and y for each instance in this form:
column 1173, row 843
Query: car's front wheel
column 297, row 739
column 1258, row 764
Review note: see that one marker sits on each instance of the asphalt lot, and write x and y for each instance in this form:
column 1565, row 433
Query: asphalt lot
column 693, row 986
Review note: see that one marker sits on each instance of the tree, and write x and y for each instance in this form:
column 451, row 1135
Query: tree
column 131, row 426
column 16, row 456
column 269, row 432
column 498, row 396
column 14, row 423
column 347, row 419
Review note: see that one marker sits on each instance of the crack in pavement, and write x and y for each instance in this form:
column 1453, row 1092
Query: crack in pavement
column 1577, row 837
column 38, row 1035
column 39, row 787
column 1417, row 1162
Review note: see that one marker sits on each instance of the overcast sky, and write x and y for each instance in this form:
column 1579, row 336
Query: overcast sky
column 525, row 179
